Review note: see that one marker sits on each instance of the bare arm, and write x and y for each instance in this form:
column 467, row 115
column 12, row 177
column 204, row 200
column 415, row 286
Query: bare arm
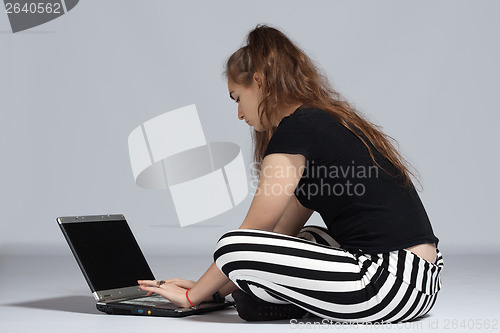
column 271, row 206
column 280, row 175
column 293, row 219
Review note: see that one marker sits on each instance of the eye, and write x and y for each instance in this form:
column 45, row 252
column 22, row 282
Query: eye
column 237, row 100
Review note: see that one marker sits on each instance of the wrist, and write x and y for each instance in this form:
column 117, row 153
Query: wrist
column 191, row 304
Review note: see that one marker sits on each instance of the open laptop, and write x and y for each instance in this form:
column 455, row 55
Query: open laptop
column 112, row 262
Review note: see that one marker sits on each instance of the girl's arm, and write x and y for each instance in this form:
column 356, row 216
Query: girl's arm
column 280, row 175
column 207, row 285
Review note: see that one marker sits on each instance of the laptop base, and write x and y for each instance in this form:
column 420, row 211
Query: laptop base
column 127, row 309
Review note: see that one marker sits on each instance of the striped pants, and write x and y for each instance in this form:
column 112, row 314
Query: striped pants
column 314, row 273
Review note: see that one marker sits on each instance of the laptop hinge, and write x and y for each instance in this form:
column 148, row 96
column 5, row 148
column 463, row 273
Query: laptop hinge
column 113, row 295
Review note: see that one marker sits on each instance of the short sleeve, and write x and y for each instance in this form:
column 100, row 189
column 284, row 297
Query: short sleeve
column 294, row 135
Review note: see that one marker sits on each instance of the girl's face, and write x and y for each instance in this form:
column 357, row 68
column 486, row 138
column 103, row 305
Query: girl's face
column 248, row 99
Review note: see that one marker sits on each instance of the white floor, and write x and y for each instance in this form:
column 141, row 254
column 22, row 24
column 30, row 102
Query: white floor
column 49, row 294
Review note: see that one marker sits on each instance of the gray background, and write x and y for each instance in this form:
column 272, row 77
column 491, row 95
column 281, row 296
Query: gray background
column 73, row 89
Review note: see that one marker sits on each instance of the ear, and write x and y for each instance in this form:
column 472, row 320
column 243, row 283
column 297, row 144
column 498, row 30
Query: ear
column 258, row 78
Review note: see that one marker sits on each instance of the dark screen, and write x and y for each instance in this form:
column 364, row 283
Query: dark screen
column 108, row 254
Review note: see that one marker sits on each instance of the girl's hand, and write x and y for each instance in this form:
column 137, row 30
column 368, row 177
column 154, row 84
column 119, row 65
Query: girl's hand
column 170, row 291
column 186, row 284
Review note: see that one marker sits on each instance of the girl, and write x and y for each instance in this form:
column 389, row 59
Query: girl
column 376, row 260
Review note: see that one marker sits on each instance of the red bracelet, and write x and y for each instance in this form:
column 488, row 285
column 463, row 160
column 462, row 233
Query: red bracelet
column 192, row 305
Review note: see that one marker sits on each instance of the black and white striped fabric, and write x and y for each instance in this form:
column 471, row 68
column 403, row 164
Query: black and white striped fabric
column 313, row 272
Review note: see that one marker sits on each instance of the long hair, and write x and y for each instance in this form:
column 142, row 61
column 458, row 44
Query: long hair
column 291, row 78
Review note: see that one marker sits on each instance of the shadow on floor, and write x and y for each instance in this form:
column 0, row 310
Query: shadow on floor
column 77, row 304
column 86, row 305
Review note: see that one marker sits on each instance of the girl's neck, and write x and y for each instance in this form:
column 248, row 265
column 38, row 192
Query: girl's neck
column 288, row 110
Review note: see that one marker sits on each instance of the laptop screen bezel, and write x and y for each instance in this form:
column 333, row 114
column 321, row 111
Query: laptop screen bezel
column 115, row 292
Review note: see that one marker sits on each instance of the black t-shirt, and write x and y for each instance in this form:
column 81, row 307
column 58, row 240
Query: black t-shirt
column 365, row 209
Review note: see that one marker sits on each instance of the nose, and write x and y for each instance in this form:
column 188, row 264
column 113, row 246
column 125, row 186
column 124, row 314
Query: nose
column 240, row 114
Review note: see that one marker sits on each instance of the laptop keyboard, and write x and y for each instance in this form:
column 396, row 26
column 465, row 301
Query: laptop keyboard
column 155, row 300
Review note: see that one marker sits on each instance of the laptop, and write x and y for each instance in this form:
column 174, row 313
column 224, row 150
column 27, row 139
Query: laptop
column 112, row 262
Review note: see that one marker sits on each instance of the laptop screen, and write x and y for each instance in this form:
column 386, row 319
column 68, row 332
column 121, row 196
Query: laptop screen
column 108, row 253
